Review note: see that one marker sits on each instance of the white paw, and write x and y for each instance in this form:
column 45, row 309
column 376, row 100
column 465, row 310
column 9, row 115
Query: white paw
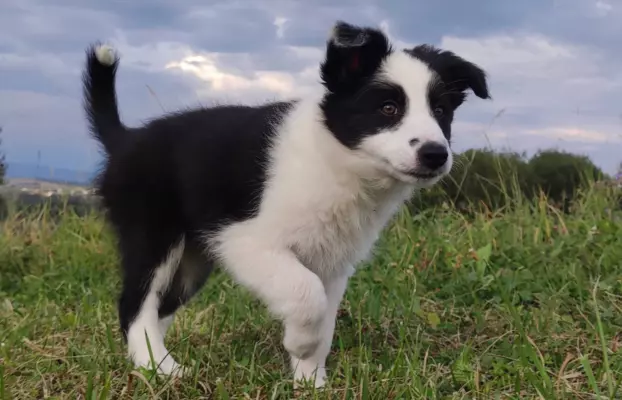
column 309, row 373
column 301, row 341
column 168, row 367
column 172, row 369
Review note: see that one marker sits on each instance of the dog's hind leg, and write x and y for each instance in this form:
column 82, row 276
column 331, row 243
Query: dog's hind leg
column 150, row 262
column 194, row 270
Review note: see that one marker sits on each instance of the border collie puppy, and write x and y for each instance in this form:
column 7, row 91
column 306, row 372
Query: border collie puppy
column 288, row 197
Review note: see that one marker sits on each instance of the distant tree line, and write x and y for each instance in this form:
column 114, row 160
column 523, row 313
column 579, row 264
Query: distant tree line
column 56, row 204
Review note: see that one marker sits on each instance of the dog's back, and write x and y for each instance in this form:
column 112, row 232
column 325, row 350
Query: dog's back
column 187, row 169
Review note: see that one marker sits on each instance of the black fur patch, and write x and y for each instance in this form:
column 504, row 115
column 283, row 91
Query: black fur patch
column 352, row 117
column 353, row 55
column 353, row 102
column 457, row 74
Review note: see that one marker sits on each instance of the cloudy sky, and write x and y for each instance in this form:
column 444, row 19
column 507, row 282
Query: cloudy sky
column 555, row 66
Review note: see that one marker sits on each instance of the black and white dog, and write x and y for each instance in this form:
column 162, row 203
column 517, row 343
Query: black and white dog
column 288, row 197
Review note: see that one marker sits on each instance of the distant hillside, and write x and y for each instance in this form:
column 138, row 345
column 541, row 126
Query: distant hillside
column 49, row 174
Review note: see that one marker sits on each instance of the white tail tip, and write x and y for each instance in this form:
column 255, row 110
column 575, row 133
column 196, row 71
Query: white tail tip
column 106, row 55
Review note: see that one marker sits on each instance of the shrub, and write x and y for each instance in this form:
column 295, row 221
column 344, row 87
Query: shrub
column 560, row 175
column 484, row 178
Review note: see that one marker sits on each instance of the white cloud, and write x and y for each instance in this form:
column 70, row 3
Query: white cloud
column 603, row 8
column 575, row 134
column 205, row 68
column 527, row 56
column 225, row 80
column 280, row 23
column 151, row 56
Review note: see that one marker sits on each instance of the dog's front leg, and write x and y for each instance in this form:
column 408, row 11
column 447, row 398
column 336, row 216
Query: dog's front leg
column 313, row 368
column 291, row 291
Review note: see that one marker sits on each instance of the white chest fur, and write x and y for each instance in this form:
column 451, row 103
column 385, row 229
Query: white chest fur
column 330, row 229
column 336, row 237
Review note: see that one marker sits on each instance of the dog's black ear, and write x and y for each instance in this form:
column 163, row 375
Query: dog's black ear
column 457, row 73
column 353, row 54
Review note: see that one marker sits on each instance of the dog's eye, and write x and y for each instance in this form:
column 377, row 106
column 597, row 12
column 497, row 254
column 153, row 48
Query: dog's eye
column 389, row 108
column 438, row 111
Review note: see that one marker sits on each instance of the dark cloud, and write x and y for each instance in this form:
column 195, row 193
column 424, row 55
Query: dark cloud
column 426, row 21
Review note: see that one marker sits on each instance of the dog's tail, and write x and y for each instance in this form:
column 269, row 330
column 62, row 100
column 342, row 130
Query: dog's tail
column 100, row 100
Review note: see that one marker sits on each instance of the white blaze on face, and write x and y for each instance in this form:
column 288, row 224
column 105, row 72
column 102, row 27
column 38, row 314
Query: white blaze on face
column 399, row 147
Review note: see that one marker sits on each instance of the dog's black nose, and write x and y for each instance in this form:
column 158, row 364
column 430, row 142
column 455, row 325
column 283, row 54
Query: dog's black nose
column 433, row 155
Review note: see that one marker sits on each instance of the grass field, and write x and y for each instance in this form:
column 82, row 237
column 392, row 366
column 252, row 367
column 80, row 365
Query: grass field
column 522, row 304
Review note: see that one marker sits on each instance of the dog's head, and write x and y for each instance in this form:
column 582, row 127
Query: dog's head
column 394, row 108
